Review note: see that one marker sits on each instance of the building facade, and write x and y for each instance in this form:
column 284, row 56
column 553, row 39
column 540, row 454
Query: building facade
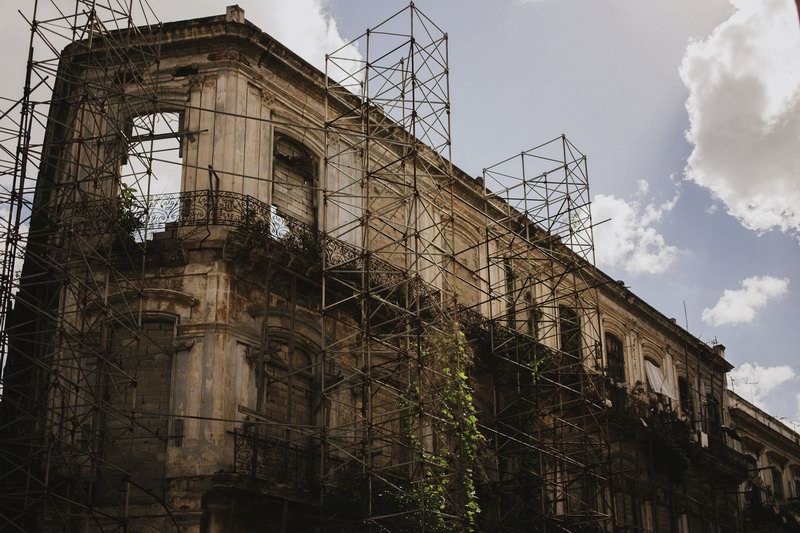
column 771, row 492
column 256, row 299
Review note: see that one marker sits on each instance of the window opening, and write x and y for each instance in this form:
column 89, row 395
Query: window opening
column 656, row 381
column 150, row 174
column 777, row 484
column 511, row 309
column 616, row 358
column 687, row 405
column 570, row 327
column 714, row 416
column 534, row 315
column 294, row 179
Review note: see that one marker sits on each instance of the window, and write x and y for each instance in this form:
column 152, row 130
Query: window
column 511, row 309
column 570, row 326
column 796, row 489
column 534, row 315
column 294, row 178
column 687, row 405
column 644, row 518
column 656, row 381
column 714, row 416
column 284, row 384
column 777, row 483
column 137, row 375
column 616, row 358
column 151, row 165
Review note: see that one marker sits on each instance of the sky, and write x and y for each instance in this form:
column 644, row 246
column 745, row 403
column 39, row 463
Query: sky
column 689, row 113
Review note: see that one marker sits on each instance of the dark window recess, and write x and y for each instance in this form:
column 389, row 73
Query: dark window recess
column 714, row 416
column 638, row 517
column 570, row 326
column 777, row 484
column 685, row 393
column 146, row 354
column 511, row 309
column 177, row 432
column 534, row 315
column 797, row 489
column 616, row 358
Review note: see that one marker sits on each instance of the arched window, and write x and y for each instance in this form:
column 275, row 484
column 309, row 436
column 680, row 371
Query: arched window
column 616, row 358
column 569, row 325
column 467, row 265
column 294, row 178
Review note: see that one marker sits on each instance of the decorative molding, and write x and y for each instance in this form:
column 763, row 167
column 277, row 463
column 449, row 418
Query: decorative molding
column 150, row 294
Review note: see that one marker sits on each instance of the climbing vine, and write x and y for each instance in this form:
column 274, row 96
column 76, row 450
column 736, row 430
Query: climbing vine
column 442, row 428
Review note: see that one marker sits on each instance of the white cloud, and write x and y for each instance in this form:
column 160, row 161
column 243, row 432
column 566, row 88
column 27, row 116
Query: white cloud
column 744, row 112
column 628, row 239
column 739, row 306
column 305, row 26
column 794, row 423
column 755, row 383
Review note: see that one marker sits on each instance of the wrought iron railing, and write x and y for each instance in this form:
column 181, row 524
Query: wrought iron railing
column 157, row 213
column 260, row 220
column 274, row 460
column 147, row 216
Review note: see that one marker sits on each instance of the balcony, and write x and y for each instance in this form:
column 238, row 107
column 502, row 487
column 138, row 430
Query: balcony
column 281, row 464
column 146, row 219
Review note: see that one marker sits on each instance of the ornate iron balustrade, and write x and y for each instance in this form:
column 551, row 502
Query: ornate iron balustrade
column 206, row 208
column 158, row 213
column 259, row 220
column 273, row 460
column 155, row 213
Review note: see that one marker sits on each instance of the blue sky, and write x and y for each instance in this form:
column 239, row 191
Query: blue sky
column 691, row 218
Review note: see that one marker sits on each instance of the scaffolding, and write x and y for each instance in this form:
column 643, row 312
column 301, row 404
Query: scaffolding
column 460, row 361
column 525, row 297
column 67, row 208
column 390, row 180
column 543, row 342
